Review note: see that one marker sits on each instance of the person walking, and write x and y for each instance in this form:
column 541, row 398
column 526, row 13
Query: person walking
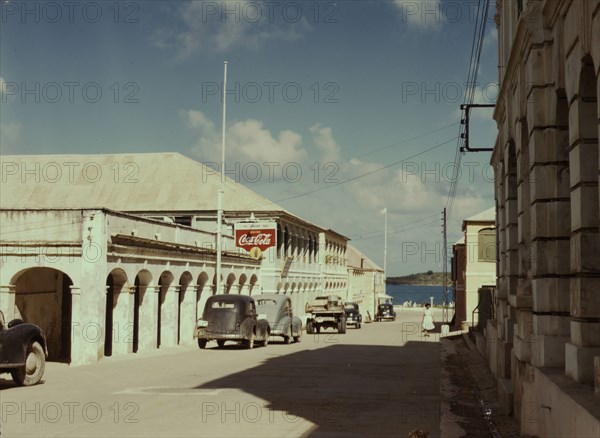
column 427, row 323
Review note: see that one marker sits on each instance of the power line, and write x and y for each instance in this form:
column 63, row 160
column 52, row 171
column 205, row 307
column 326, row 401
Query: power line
column 475, row 57
column 354, row 178
column 364, row 235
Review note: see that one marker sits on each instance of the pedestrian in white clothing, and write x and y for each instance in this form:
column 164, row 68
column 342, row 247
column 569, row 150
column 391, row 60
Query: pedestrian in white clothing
column 427, row 323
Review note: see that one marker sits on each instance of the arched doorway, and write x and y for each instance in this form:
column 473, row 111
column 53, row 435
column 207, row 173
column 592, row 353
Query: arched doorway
column 142, row 281
column 200, row 296
column 43, row 297
column 164, row 283
column 230, row 282
column 185, row 314
column 115, row 281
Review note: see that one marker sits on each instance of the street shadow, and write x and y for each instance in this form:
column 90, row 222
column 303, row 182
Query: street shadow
column 6, row 382
column 349, row 390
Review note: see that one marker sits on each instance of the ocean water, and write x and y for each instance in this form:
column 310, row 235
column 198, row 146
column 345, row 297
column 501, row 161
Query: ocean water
column 418, row 294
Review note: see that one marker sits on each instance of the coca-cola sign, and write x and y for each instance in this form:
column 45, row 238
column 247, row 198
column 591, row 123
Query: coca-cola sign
column 250, row 236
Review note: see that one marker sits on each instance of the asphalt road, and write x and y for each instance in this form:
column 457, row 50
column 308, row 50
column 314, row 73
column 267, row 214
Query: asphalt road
column 381, row 380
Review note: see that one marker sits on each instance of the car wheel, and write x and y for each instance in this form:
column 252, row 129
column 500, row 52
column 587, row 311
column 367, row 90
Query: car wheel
column 343, row 324
column 202, row 343
column 358, row 326
column 249, row 343
column 33, row 370
column 297, row 338
column 310, row 328
column 318, row 329
column 287, row 339
column 266, row 341
column 220, row 343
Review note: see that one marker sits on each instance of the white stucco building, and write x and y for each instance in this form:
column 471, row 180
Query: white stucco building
column 480, row 258
column 366, row 282
column 152, row 217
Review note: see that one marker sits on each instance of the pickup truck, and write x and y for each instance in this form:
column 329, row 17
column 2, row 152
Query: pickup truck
column 325, row 312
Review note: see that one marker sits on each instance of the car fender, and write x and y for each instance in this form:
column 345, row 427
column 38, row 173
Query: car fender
column 247, row 328
column 262, row 328
column 16, row 339
column 284, row 323
column 296, row 326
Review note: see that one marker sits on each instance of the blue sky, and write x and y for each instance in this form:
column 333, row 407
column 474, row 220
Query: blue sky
column 328, row 91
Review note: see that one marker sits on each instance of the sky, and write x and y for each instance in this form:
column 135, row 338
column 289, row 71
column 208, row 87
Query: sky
column 336, row 111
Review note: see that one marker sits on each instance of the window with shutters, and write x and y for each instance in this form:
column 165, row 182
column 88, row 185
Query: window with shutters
column 486, row 245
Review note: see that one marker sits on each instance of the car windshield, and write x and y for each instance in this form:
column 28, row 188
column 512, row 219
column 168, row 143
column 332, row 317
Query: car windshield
column 266, row 302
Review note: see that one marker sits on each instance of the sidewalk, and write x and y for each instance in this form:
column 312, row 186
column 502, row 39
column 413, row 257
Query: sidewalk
column 469, row 394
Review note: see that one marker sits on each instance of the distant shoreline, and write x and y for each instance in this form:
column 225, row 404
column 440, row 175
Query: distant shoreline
column 422, row 279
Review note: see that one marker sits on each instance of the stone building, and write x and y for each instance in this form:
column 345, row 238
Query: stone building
column 155, row 224
column 547, row 328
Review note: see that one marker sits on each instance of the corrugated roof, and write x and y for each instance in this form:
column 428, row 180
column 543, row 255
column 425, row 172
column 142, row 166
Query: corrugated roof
column 355, row 256
column 123, row 182
column 484, row 216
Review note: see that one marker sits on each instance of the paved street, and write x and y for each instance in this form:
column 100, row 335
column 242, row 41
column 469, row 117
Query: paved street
column 381, row 380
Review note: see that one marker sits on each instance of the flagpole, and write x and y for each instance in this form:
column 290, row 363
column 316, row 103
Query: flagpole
column 221, row 193
column 385, row 244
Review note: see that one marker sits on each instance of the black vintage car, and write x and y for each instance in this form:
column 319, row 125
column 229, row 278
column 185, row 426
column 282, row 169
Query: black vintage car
column 353, row 316
column 277, row 309
column 385, row 311
column 230, row 317
column 23, row 351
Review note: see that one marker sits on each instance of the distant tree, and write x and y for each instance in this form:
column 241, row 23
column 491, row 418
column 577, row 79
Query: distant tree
column 429, row 272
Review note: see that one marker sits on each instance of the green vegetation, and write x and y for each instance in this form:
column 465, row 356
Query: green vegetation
column 428, row 278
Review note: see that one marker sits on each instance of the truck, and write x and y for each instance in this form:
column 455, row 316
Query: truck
column 325, row 312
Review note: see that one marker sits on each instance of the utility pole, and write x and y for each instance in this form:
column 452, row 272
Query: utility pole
column 221, row 193
column 445, row 308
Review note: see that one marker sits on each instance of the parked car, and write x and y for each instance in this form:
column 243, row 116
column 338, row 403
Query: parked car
column 385, row 311
column 277, row 309
column 230, row 317
column 23, row 351
column 353, row 316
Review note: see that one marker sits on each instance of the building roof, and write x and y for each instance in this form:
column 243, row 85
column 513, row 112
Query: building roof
column 488, row 215
column 355, row 256
column 124, row 182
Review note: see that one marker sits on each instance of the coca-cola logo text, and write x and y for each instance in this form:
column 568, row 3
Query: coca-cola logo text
column 248, row 239
column 259, row 239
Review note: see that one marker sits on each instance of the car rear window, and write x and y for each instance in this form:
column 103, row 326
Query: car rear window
column 223, row 305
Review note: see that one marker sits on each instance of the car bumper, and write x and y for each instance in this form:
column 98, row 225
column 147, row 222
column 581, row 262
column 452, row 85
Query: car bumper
column 211, row 336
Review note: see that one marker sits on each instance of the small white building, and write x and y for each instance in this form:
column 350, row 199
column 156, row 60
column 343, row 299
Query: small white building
column 366, row 282
column 480, row 253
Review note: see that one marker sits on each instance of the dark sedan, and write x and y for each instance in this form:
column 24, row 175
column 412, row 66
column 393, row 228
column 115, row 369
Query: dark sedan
column 353, row 316
column 231, row 318
column 277, row 309
column 23, row 351
column 385, row 311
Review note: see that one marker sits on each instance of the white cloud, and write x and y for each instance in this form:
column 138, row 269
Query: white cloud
column 246, row 141
column 326, row 144
column 423, row 14
column 220, row 26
